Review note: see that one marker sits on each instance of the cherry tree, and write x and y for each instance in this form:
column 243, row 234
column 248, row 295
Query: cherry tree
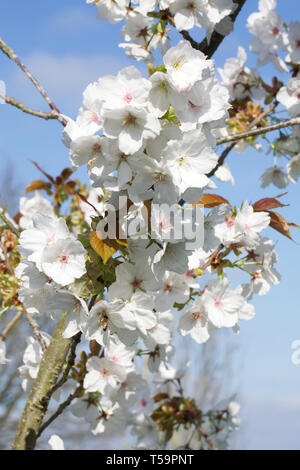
column 142, row 255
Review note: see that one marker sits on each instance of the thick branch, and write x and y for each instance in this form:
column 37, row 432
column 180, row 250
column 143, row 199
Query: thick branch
column 40, row 394
column 209, row 48
column 70, row 362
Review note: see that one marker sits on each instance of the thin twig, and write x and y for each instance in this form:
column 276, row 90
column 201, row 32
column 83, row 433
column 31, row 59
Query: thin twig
column 10, row 325
column 213, row 256
column 221, row 159
column 261, row 130
column 36, row 330
column 13, row 56
column 9, row 224
column 27, row 110
column 60, row 409
column 252, row 124
column 206, row 438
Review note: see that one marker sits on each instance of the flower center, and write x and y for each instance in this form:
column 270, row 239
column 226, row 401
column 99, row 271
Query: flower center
column 94, row 117
column 230, row 222
column 129, row 120
column 103, row 319
column 193, row 106
column 165, row 224
column 136, row 283
column 159, row 177
column 179, row 62
column 128, row 97
column 96, row 149
column 199, row 315
column 63, row 259
column 191, row 6
column 218, row 303
column 168, row 287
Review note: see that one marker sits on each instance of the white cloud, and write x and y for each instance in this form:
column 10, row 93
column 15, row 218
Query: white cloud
column 73, row 20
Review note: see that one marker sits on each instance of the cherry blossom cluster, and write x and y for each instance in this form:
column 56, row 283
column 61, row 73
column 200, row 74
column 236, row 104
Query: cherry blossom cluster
column 149, row 146
column 146, row 21
column 150, row 141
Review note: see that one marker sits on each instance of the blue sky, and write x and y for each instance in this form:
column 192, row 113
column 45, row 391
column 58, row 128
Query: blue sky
column 66, row 47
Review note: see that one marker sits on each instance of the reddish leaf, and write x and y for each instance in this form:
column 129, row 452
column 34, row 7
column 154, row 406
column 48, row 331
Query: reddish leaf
column 280, row 224
column 36, row 185
column 17, row 217
column 70, row 187
column 267, row 203
column 160, row 396
column 211, row 200
column 66, row 173
column 94, row 347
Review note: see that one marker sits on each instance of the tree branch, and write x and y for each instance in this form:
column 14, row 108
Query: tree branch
column 213, row 256
column 10, row 325
column 13, row 56
column 40, row 394
column 36, row 330
column 252, row 124
column 70, row 363
column 33, row 112
column 61, row 408
column 261, row 130
column 8, row 223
